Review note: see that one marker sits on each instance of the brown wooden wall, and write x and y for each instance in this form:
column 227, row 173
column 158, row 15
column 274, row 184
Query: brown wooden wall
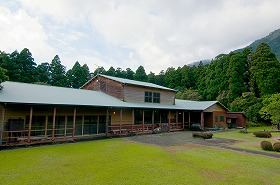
column 108, row 86
column 240, row 118
column 134, row 93
column 116, row 116
column 219, row 123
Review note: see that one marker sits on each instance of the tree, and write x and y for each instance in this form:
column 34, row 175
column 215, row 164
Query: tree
column 3, row 77
column 249, row 104
column 189, row 94
column 26, row 67
column 43, row 71
column 77, row 76
column 152, row 77
column 111, row 71
column 57, row 73
column 99, row 70
column 271, row 108
column 129, row 74
column 172, row 78
column 140, row 74
column 120, row 73
column 10, row 63
column 160, row 78
column 265, row 71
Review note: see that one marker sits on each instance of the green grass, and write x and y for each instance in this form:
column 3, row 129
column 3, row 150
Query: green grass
column 117, row 161
column 248, row 140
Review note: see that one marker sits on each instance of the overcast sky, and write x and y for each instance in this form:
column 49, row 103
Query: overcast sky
column 156, row 34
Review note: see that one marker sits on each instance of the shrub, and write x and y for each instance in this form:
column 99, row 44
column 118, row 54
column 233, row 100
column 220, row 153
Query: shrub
column 266, row 145
column 276, row 146
column 204, row 135
column 244, row 130
column 264, row 134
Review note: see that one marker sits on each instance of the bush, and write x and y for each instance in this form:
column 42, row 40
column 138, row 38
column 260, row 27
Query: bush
column 276, row 146
column 263, row 134
column 244, row 130
column 266, row 145
column 204, row 135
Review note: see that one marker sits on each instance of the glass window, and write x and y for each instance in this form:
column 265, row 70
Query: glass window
column 216, row 118
column 156, row 97
column 148, row 96
column 222, row 118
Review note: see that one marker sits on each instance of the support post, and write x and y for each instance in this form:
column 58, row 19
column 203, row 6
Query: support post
column 53, row 123
column 97, row 125
column 74, row 124
column 169, row 119
column 189, row 119
column 132, row 127
column 143, row 120
column 183, row 120
column 2, row 124
column 65, row 126
column 46, row 126
column 153, row 120
column 83, row 124
column 30, row 123
column 107, row 122
column 202, row 120
column 121, row 114
column 177, row 119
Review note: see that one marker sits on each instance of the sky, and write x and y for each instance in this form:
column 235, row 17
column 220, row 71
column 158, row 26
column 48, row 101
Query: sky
column 156, row 34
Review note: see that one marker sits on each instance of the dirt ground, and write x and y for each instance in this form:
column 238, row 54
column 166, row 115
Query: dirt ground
column 184, row 138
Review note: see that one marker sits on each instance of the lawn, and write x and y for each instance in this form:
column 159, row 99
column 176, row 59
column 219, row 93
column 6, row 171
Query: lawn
column 248, row 140
column 117, row 161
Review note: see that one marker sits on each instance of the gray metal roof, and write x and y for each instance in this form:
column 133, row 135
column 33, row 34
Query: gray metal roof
column 134, row 82
column 14, row 92
column 23, row 93
column 196, row 105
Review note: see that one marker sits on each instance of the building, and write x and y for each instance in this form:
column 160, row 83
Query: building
column 105, row 106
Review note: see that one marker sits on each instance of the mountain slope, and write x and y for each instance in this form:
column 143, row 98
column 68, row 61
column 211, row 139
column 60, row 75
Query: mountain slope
column 273, row 40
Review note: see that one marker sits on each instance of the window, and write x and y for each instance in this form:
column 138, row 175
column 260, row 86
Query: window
column 216, row 118
column 152, row 97
column 156, row 97
column 148, row 96
column 222, row 118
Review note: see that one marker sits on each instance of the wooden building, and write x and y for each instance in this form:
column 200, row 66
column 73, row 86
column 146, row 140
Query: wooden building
column 104, row 107
column 236, row 120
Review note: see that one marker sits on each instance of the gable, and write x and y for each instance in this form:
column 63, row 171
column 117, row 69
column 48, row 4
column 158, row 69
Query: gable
column 215, row 108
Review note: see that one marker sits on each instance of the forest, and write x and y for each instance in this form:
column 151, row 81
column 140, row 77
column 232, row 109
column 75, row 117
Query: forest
column 244, row 81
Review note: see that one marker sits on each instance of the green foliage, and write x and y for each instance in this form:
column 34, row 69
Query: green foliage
column 189, row 94
column 249, row 104
column 140, row 74
column 78, row 75
column 3, row 76
column 266, row 145
column 276, row 147
column 57, row 73
column 204, row 135
column 271, row 108
column 263, row 134
column 265, row 70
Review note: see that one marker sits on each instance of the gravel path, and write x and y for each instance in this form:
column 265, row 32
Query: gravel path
column 185, row 137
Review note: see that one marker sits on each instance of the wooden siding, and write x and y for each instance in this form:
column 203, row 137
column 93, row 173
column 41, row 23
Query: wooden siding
column 108, row 86
column 116, row 117
column 219, row 123
column 215, row 107
column 208, row 120
column 137, row 94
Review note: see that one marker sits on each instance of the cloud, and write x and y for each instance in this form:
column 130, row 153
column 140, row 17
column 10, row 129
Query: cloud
column 154, row 33
column 19, row 30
